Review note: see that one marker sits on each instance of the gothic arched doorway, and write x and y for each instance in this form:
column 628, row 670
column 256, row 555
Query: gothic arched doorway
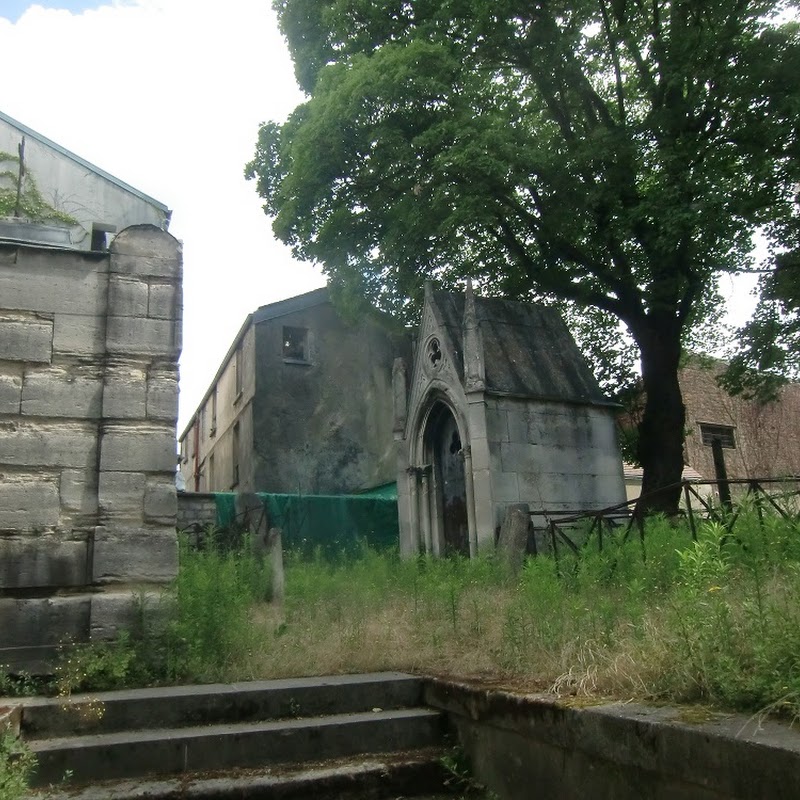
column 449, row 495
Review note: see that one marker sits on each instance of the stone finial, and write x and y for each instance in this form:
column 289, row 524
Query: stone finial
column 474, row 371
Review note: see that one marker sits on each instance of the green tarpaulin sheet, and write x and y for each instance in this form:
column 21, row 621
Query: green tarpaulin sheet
column 332, row 523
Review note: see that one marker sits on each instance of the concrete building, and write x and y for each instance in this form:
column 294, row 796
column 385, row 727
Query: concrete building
column 501, row 409
column 300, row 404
column 74, row 203
column 89, row 344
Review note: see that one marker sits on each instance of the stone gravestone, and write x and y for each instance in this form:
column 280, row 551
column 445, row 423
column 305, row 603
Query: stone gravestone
column 265, row 542
column 513, row 541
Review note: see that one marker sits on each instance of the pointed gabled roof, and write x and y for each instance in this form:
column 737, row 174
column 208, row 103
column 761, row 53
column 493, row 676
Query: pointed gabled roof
column 528, row 350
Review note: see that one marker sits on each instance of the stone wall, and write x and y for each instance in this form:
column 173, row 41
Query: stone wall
column 623, row 751
column 89, row 344
column 552, row 456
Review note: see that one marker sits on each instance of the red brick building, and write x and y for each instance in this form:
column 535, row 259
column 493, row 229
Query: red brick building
column 760, row 440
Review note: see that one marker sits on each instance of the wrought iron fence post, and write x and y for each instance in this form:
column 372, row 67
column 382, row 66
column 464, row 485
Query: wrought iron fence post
column 690, row 513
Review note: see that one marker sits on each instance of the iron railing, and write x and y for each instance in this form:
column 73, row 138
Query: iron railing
column 625, row 517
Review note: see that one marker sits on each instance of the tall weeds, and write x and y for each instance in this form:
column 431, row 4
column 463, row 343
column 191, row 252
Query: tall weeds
column 716, row 620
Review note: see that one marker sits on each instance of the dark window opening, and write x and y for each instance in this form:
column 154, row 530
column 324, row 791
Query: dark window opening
column 237, row 373
column 235, row 458
column 295, row 344
column 722, row 432
column 100, row 235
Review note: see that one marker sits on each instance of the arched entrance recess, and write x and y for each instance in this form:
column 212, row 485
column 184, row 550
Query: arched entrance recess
column 444, row 451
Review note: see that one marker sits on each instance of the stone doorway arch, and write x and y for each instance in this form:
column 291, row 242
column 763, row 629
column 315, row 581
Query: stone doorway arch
column 444, row 451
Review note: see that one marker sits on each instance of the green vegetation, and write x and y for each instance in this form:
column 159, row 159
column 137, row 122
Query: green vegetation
column 715, row 621
column 32, row 205
column 199, row 631
column 618, row 156
column 16, row 764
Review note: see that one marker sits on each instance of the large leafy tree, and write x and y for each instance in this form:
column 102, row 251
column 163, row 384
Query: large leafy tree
column 617, row 154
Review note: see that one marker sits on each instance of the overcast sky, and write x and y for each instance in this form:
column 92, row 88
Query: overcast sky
column 167, row 95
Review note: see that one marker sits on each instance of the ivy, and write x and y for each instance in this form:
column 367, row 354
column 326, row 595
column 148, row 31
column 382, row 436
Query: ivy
column 32, row 206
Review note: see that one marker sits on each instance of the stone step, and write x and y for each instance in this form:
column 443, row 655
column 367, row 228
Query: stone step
column 180, row 706
column 417, row 774
column 137, row 753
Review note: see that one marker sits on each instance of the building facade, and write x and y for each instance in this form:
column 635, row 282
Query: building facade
column 500, row 409
column 759, row 440
column 73, row 203
column 300, row 404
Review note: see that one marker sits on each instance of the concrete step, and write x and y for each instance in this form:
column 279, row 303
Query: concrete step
column 180, row 706
column 139, row 753
column 418, row 774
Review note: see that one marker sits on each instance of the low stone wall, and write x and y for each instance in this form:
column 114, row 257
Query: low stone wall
column 535, row 745
column 196, row 511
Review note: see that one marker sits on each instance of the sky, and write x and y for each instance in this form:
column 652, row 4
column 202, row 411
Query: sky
column 167, row 95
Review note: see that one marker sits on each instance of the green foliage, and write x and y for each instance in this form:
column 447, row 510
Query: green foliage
column 32, row 205
column 617, row 155
column 768, row 351
column 200, row 630
column 716, row 620
column 16, row 765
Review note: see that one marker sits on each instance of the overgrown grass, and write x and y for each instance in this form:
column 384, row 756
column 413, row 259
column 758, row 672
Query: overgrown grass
column 16, row 765
column 716, row 621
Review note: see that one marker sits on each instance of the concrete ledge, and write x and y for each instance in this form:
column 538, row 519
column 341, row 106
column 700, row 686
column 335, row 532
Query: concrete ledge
column 619, row 750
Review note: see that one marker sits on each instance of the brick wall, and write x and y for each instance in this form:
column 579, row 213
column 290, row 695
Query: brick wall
column 767, row 436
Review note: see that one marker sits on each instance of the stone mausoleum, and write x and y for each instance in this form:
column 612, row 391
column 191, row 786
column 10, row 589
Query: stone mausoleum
column 499, row 408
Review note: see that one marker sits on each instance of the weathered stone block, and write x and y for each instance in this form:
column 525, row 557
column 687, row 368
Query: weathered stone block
column 27, row 444
column 516, row 457
column 138, row 449
column 142, row 335
column 125, row 555
column 121, row 494
column 127, row 298
column 162, row 396
column 10, row 393
column 160, row 501
column 497, row 425
column 69, row 284
column 79, row 491
column 78, row 334
column 163, row 301
column 146, row 250
column 41, row 561
column 113, row 612
column 480, row 453
column 513, row 540
column 505, row 488
column 25, row 338
column 62, row 392
column 125, row 393
column 32, row 622
column 28, row 502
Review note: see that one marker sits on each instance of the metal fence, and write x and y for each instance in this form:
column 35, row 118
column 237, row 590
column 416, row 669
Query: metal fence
column 722, row 502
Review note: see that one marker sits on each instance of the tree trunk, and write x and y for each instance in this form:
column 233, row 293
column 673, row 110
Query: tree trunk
column 661, row 431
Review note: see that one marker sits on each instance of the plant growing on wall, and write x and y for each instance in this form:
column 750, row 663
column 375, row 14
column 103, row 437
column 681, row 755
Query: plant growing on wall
column 20, row 196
